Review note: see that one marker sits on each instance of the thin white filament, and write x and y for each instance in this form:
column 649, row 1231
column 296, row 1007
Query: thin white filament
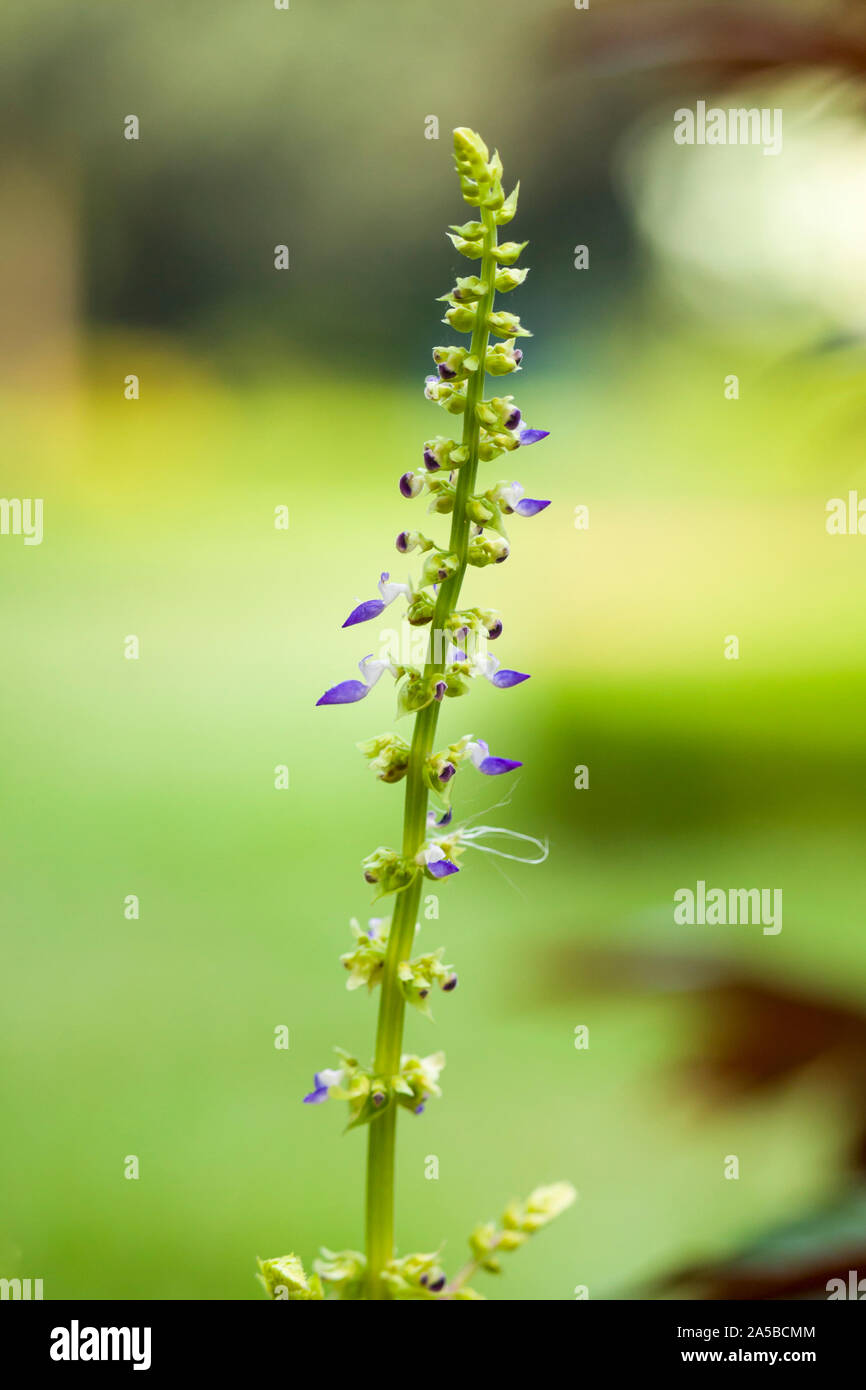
column 477, row 831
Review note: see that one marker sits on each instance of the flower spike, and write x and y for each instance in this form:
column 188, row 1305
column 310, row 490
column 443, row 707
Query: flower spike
column 450, row 468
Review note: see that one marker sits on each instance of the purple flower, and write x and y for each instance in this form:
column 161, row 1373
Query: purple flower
column 372, row 607
column 489, row 668
column 495, row 630
column 322, row 1083
column 450, row 983
column 479, row 754
column 513, row 500
column 431, row 462
column 513, row 420
column 348, row 692
column 433, row 858
column 439, row 692
column 527, row 436
column 530, row 506
column 442, row 868
column 444, row 820
column 447, row 772
column 402, row 542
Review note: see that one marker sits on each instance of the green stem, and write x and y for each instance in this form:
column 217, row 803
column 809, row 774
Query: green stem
column 389, row 1034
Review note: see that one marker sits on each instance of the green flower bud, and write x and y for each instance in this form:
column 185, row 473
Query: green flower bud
column 461, row 317
column 470, row 231
column 487, row 450
column 506, row 252
column 367, row 960
column 414, row 1277
column 467, row 290
column 482, row 1242
column 471, row 155
column 509, row 207
column 421, row 609
column 450, row 394
column 479, row 511
column 496, row 413
column 388, row 756
column 284, row 1278
column 503, row 358
column 454, row 362
column 343, row 1271
column 418, row 1080
column 512, row 1240
column 419, row 691
column 502, row 441
column 546, row 1203
column 437, row 567
column 472, row 250
column 506, row 325
column 508, row 279
column 388, row 871
column 418, row 977
column 442, row 492
column 488, row 550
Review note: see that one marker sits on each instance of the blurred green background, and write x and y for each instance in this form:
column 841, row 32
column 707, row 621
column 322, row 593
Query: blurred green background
column 258, row 389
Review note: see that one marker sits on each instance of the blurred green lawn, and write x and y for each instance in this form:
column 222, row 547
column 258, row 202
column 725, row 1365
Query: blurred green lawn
column 155, row 777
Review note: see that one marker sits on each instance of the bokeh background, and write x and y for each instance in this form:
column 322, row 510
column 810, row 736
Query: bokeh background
column 303, row 388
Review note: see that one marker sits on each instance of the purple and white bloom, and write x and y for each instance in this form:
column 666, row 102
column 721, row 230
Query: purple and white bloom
column 322, row 1083
column 444, row 820
column 479, row 755
column 514, row 500
column 372, row 607
column 348, row 692
column 411, row 485
column 491, row 669
column 434, row 858
column 487, row 666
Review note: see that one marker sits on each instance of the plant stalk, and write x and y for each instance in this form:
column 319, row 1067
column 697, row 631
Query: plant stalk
column 389, row 1033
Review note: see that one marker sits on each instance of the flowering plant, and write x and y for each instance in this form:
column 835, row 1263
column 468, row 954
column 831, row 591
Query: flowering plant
column 432, row 845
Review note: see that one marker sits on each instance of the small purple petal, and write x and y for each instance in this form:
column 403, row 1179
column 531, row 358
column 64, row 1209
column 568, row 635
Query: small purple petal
column 492, row 767
column 402, row 542
column 450, row 983
column 316, row 1097
column 365, row 611
column 443, row 868
column 409, row 485
column 447, row 772
column 503, row 679
column 495, row 631
column 530, row 506
column 532, row 436
column 439, row 692
column 513, row 420
column 445, row 373
column 419, row 1109
column 346, row 693
column 431, row 463
column 517, row 354
column 445, row 820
